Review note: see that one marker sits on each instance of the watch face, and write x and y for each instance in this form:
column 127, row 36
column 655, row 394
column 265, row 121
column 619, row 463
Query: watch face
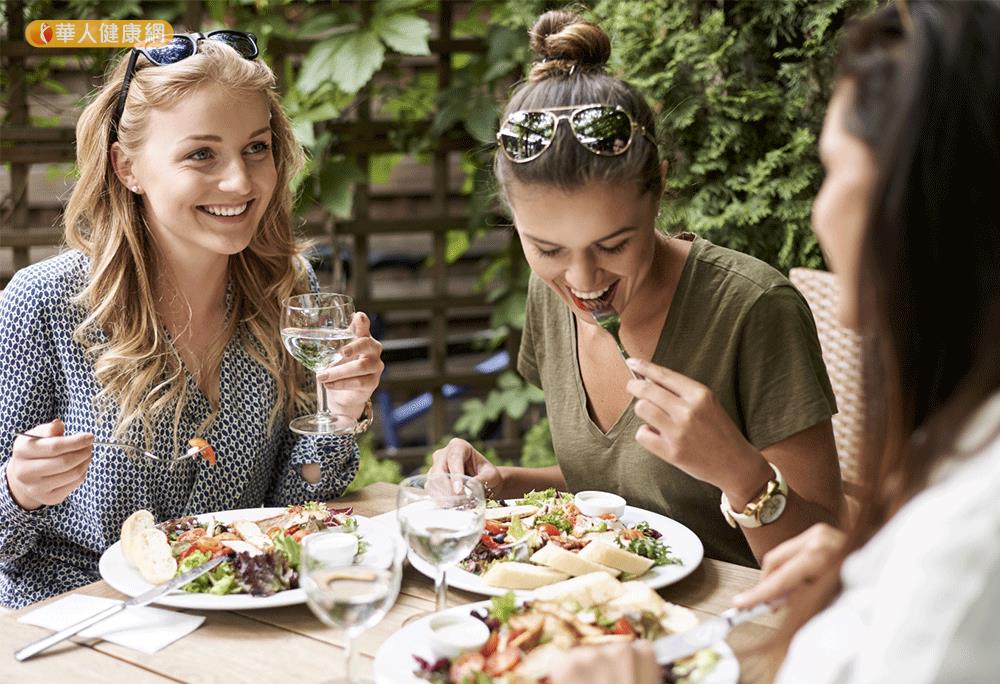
column 772, row 509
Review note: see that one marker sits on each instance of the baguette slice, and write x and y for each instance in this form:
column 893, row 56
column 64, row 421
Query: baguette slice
column 558, row 558
column 505, row 513
column 614, row 557
column 586, row 591
column 515, row 575
column 132, row 530
column 156, row 562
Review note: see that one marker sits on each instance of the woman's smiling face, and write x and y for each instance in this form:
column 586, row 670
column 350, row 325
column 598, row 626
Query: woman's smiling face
column 595, row 243
column 206, row 171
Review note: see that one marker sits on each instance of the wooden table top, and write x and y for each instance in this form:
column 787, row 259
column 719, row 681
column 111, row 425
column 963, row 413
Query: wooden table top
column 290, row 644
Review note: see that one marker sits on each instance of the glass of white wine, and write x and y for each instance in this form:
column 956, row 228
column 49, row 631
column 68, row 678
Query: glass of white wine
column 350, row 595
column 441, row 516
column 315, row 327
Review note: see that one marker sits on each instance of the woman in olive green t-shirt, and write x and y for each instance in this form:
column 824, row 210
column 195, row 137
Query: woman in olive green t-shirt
column 731, row 387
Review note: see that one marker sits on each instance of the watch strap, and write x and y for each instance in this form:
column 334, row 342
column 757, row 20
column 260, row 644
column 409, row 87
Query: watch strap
column 749, row 517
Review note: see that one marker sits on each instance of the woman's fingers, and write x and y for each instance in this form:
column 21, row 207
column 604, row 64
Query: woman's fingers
column 363, row 366
column 51, row 447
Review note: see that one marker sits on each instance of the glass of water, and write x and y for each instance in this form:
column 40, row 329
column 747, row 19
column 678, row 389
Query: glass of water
column 348, row 592
column 315, row 327
column 441, row 516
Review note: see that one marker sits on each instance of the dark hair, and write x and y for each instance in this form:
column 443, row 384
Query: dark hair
column 927, row 103
column 570, row 69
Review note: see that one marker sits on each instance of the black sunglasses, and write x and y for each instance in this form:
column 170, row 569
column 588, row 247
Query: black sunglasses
column 605, row 130
column 182, row 46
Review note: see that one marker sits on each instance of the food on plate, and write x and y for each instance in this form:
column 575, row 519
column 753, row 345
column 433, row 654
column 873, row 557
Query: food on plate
column 265, row 553
column 205, row 449
column 525, row 640
column 556, row 557
column 549, row 530
column 515, row 575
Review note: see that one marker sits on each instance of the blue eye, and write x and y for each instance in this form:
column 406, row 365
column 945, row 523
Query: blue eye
column 258, row 147
column 195, row 155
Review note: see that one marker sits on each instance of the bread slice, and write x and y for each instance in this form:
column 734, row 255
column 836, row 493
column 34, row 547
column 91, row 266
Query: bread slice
column 505, row 513
column 132, row 530
column 516, row 575
column 156, row 563
column 585, row 591
column 614, row 557
column 558, row 558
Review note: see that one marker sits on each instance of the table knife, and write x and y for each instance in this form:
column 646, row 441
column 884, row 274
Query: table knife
column 37, row 647
column 705, row 633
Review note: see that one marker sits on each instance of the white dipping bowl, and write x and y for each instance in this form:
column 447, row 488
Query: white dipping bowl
column 595, row 503
column 453, row 635
column 331, row 547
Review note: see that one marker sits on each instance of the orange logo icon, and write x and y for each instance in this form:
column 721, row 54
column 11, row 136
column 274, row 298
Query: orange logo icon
column 39, row 33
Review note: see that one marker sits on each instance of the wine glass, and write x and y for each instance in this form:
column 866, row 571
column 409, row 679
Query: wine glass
column 441, row 516
column 315, row 328
column 349, row 593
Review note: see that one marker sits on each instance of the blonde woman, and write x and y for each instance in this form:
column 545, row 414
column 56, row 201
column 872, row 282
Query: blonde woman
column 161, row 322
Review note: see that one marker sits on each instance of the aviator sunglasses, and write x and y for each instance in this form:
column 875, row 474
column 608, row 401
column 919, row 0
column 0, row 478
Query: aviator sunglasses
column 182, row 46
column 605, row 130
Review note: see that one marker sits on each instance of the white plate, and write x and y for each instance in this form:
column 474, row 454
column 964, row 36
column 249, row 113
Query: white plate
column 126, row 579
column 684, row 544
column 394, row 663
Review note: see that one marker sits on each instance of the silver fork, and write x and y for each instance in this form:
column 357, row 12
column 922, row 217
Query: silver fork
column 190, row 453
column 608, row 318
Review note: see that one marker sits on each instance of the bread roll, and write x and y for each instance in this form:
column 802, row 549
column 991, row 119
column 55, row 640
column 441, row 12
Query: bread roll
column 132, row 530
column 614, row 557
column 586, row 590
column 558, row 558
column 156, row 563
column 515, row 575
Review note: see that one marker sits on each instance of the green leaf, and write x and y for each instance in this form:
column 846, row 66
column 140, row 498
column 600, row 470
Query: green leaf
column 456, row 244
column 404, row 33
column 337, row 179
column 318, row 65
column 357, row 60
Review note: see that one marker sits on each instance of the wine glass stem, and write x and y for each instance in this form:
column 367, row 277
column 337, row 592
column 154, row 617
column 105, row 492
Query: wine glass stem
column 324, row 410
column 349, row 658
column 440, row 590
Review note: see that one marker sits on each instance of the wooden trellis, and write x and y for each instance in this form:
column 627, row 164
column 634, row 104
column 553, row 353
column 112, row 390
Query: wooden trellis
column 442, row 210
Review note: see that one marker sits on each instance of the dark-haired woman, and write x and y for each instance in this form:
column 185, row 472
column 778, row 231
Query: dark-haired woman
column 732, row 401
column 911, row 146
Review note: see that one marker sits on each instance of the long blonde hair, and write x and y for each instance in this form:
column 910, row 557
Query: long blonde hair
column 141, row 375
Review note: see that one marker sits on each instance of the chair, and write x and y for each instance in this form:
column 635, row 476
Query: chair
column 842, row 355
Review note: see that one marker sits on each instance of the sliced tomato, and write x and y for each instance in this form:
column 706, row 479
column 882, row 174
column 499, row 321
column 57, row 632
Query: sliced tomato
column 549, row 529
column 207, row 452
column 488, row 541
column 624, row 627
column 490, row 647
column 466, row 666
column 503, row 661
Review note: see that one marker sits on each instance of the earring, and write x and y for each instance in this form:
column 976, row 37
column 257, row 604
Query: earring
column 135, row 189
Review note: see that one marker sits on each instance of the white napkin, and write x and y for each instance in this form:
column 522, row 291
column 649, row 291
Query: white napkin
column 144, row 629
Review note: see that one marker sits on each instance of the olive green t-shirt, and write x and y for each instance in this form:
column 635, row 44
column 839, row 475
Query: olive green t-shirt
column 735, row 325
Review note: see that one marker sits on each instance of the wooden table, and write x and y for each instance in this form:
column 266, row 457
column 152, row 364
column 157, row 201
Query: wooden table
column 291, row 645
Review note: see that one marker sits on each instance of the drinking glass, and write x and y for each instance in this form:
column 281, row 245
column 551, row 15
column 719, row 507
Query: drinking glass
column 350, row 595
column 441, row 516
column 315, row 328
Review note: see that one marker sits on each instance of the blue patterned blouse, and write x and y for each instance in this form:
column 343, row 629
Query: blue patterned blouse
column 44, row 374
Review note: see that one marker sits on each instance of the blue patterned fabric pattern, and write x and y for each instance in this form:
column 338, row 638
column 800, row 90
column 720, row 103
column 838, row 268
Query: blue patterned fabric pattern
column 44, row 374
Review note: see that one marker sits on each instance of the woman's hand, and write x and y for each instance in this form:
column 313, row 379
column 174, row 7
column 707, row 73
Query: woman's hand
column 350, row 382
column 628, row 663
column 43, row 472
column 462, row 458
column 793, row 564
column 687, row 427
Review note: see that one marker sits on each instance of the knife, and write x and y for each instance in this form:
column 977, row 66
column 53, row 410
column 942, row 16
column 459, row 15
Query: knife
column 705, row 633
column 37, row 647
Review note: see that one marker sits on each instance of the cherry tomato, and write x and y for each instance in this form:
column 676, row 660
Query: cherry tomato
column 624, row 627
column 493, row 527
column 549, row 529
column 488, row 542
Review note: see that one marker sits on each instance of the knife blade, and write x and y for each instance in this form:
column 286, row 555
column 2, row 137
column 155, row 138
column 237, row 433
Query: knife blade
column 37, row 647
column 705, row 633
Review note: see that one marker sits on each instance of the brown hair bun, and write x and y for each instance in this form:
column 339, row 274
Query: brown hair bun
column 565, row 42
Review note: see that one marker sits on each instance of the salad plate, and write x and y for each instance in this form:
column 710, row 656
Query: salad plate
column 374, row 538
column 396, row 659
column 677, row 548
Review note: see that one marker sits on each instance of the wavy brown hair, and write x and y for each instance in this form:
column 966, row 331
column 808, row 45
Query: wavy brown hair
column 571, row 54
column 927, row 103
column 141, row 374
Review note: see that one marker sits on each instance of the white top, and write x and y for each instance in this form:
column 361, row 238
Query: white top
column 921, row 600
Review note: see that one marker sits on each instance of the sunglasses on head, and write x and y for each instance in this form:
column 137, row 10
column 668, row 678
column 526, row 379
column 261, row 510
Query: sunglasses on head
column 182, row 46
column 605, row 130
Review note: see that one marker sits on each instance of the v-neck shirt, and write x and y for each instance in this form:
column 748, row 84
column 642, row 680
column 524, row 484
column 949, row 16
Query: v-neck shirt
column 737, row 326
